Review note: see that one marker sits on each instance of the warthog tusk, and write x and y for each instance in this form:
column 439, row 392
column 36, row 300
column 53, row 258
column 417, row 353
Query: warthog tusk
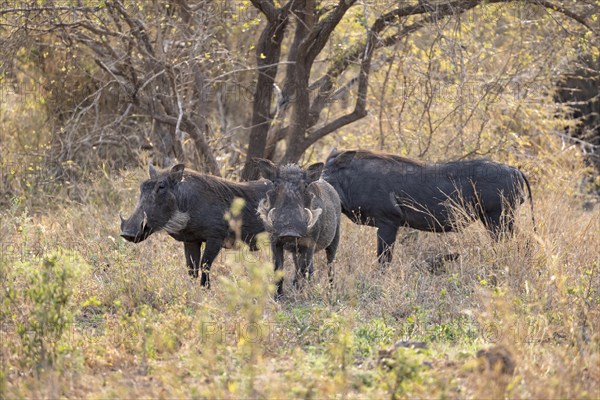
column 313, row 216
column 270, row 216
column 144, row 221
column 310, row 215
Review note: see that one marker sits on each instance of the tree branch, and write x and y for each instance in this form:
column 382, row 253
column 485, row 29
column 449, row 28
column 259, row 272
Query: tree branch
column 267, row 8
column 47, row 8
column 563, row 10
column 318, row 37
column 325, row 83
column 334, row 125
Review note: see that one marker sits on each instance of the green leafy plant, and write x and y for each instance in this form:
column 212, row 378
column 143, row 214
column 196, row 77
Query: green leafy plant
column 42, row 309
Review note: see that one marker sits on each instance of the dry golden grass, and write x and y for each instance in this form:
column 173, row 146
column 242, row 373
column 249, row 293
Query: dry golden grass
column 137, row 326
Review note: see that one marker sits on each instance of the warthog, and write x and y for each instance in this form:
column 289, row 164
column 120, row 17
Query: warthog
column 388, row 191
column 302, row 214
column 191, row 207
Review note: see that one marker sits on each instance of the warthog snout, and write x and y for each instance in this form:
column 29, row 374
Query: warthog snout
column 289, row 235
column 132, row 231
column 130, row 237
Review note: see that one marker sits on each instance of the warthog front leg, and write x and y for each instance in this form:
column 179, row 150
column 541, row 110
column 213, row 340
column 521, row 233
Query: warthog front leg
column 192, row 257
column 277, row 250
column 303, row 260
column 331, row 251
column 213, row 246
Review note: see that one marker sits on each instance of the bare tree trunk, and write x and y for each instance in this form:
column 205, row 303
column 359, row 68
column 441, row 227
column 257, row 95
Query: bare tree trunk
column 268, row 53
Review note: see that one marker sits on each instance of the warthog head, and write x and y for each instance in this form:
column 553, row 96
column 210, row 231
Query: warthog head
column 157, row 207
column 287, row 211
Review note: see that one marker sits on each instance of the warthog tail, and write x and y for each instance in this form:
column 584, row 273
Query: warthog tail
column 530, row 199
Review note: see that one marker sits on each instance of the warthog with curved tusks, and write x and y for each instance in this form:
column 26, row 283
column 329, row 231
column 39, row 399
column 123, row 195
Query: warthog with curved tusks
column 302, row 214
column 191, row 207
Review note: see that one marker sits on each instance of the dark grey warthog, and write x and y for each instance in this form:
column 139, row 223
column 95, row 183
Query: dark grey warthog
column 302, row 214
column 388, row 191
column 191, row 207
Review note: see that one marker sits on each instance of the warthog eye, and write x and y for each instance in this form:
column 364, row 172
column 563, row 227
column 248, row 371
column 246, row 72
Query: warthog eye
column 162, row 185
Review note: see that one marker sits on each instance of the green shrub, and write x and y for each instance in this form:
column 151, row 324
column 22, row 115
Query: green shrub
column 39, row 302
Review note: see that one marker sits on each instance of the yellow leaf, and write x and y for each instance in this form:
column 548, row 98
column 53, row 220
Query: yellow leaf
column 232, row 387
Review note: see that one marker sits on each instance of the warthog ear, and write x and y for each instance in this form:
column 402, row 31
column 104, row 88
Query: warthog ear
column 333, row 153
column 152, row 171
column 266, row 168
column 313, row 172
column 176, row 173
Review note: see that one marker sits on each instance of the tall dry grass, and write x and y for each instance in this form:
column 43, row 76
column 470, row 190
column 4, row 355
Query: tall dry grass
column 137, row 325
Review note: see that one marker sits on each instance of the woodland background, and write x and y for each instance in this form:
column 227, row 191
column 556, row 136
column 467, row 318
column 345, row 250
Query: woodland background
column 92, row 91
